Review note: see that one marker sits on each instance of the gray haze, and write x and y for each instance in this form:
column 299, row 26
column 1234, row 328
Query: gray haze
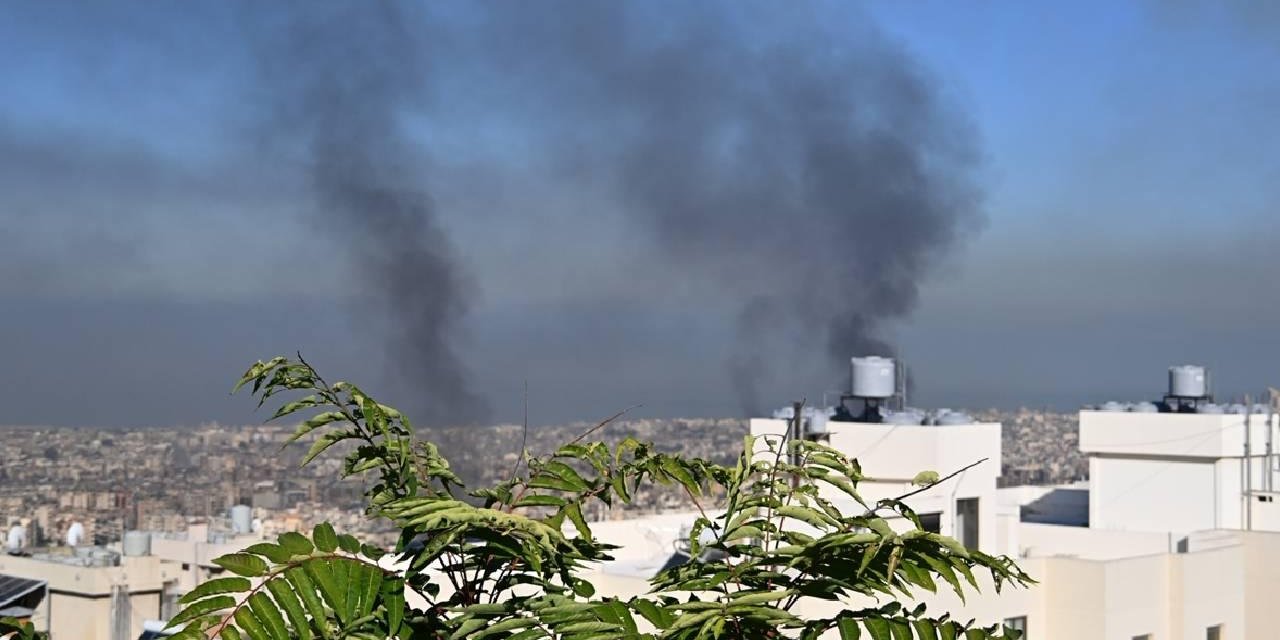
column 703, row 208
column 812, row 175
column 337, row 83
column 812, row 179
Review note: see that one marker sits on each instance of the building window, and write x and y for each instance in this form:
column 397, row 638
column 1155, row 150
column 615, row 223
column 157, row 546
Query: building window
column 1018, row 624
column 1145, row 636
column 931, row 522
column 967, row 522
column 1213, row 633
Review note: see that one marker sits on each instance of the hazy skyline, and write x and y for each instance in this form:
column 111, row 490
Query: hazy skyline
column 161, row 232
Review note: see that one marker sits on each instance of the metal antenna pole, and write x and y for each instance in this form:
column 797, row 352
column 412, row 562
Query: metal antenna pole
column 1248, row 465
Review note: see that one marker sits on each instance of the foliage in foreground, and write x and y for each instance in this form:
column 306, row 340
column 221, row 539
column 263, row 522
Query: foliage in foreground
column 514, row 566
column 14, row 629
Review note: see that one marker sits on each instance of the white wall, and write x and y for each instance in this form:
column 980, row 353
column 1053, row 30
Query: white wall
column 1153, row 494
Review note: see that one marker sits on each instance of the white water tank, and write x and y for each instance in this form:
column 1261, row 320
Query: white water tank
column 816, row 423
column 137, row 543
column 17, row 538
column 241, row 519
column 909, row 417
column 873, row 377
column 1144, row 407
column 75, row 534
column 1188, row 381
column 952, row 418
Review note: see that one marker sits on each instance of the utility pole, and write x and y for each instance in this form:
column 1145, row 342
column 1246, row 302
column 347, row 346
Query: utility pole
column 1273, row 410
column 1248, row 465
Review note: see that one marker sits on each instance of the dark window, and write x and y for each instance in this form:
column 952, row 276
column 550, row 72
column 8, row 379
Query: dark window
column 967, row 522
column 1018, row 624
column 931, row 522
column 1145, row 636
column 1213, row 633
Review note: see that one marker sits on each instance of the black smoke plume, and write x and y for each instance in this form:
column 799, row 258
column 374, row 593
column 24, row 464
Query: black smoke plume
column 339, row 82
column 786, row 156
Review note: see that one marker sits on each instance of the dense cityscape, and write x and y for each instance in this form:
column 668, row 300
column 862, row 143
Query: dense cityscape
column 164, row 479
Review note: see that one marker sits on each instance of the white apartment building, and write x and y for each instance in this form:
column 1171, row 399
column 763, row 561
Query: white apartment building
column 1176, row 536
column 95, row 593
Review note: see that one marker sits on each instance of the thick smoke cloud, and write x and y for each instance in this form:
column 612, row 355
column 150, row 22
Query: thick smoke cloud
column 810, row 176
column 813, row 176
column 339, row 86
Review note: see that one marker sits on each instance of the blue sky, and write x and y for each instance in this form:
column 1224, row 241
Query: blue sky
column 1126, row 160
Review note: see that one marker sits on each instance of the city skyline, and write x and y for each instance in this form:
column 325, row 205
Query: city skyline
column 1124, row 167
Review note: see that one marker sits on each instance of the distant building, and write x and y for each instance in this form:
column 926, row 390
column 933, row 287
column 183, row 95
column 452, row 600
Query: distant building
column 123, row 593
column 1176, row 535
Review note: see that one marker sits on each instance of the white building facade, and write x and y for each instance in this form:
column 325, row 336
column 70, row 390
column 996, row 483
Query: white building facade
column 1175, row 537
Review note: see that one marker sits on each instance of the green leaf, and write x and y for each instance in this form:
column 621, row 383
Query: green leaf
column 335, row 596
column 925, row 478
column 540, row 501
column 203, row 607
column 266, row 611
column 583, row 589
column 948, row 630
column 760, row 597
column 242, row 564
column 306, row 590
column 285, row 597
column 676, row 470
column 324, row 442
column 510, row 624
column 657, row 617
column 926, row 630
column 216, row 586
column 296, row 543
column 848, row 628
column 878, row 628
column 619, row 483
column 574, row 511
column 393, row 602
column 901, row 630
column 252, row 627
column 325, row 538
column 349, row 544
column 272, row 552
column 809, row 516
column 295, row 406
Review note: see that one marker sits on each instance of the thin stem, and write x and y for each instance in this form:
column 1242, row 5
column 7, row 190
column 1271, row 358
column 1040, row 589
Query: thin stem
column 885, row 502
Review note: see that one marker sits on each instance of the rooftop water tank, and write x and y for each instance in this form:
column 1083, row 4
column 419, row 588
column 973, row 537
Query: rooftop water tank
column 1209, row 408
column 17, row 538
column 75, row 534
column 1112, row 406
column 137, row 543
column 873, row 377
column 817, row 423
column 1144, row 407
column 954, row 418
column 1188, row 381
column 904, row 418
column 241, row 519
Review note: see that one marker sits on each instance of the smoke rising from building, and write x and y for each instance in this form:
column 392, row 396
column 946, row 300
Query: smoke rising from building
column 812, row 177
column 339, row 87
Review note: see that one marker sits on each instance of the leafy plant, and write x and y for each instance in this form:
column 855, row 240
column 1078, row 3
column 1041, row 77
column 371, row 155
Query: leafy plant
column 512, row 566
column 14, row 629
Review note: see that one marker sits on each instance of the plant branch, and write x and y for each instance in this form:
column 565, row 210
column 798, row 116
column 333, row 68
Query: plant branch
column 882, row 503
